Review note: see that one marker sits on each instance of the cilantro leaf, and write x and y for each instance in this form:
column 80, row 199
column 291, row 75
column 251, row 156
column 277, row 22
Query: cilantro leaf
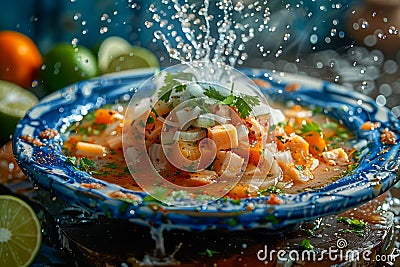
column 173, row 81
column 316, row 110
column 211, row 92
column 208, row 252
column 111, row 165
column 306, row 244
column 357, row 226
column 311, row 127
column 150, row 120
column 72, row 161
column 86, row 164
column 243, row 103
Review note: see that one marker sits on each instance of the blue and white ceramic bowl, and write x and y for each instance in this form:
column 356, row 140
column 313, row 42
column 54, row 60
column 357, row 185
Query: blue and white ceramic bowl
column 378, row 167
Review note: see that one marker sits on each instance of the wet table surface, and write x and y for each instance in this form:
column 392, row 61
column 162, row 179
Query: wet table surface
column 72, row 237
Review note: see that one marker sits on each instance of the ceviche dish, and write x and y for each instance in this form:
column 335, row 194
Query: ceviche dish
column 201, row 147
column 198, row 134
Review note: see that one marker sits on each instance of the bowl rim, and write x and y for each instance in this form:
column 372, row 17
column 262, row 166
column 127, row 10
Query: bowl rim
column 363, row 185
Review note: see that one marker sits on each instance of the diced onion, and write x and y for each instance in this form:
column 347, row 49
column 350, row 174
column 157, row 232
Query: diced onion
column 203, row 122
column 195, row 90
column 186, row 115
column 217, row 118
column 284, row 157
column 189, row 135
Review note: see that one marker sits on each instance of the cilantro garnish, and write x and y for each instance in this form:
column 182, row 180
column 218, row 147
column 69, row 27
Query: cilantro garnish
column 172, row 81
column 243, row 103
column 111, row 165
column 126, row 170
column 86, row 164
column 316, row 110
column 150, row 120
column 72, row 161
column 357, row 226
column 208, row 252
column 270, row 190
column 311, row 127
column 306, row 244
column 83, row 164
column 211, row 92
column 271, row 218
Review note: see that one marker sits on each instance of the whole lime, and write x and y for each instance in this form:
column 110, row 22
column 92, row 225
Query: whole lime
column 65, row 64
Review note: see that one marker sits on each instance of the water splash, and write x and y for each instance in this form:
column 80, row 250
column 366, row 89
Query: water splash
column 215, row 31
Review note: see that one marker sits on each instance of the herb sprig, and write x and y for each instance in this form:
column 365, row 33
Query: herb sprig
column 208, row 252
column 172, row 81
column 306, row 244
column 83, row 164
column 357, row 226
column 243, row 103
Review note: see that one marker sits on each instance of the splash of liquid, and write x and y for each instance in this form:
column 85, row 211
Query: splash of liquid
column 215, row 31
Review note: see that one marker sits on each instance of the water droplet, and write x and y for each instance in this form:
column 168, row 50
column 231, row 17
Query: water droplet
column 104, row 17
column 385, row 89
column 380, row 100
column 313, row 38
column 148, row 24
column 74, row 42
column 396, row 111
column 364, row 24
column 152, row 8
column 76, row 16
column 370, row 40
column 390, row 66
column 380, row 34
column 393, row 30
column 103, row 30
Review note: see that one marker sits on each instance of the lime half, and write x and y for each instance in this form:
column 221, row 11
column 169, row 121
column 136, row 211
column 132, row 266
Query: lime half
column 20, row 232
column 15, row 101
column 116, row 54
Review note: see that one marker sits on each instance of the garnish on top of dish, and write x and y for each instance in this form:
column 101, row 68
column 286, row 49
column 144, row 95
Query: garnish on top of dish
column 219, row 133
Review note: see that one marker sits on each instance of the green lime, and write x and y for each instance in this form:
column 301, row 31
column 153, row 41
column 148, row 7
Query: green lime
column 20, row 232
column 137, row 58
column 111, row 48
column 65, row 64
column 15, row 101
column 117, row 54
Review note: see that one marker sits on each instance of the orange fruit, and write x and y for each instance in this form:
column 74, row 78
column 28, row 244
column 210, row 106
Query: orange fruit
column 20, row 58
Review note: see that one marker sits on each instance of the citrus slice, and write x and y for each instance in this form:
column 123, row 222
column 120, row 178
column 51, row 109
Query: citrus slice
column 138, row 57
column 20, row 232
column 117, row 54
column 111, row 48
column 15, row 101
column 65, row 64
